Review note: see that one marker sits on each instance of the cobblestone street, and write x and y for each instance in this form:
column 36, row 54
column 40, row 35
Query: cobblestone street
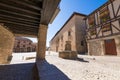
column 55, row 68
column 88, row 67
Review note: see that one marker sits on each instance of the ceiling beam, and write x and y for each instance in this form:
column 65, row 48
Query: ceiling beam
column 11, row 7
column 19, row 18
column 21, row 30
column 20, row 27
column 24, row 33
column 25, row 3
column 18, row 14
column 19, row 24
column 17, row 21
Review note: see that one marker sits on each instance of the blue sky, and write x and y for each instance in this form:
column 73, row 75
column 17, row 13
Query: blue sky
column 67, row 8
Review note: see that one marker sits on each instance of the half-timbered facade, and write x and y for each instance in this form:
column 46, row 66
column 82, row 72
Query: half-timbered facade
column 103, row 29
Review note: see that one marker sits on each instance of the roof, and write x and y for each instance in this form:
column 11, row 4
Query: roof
column 22, row 38
column 25, row 16
column 75, row 13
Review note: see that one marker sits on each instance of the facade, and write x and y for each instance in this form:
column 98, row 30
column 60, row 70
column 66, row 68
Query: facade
column 24, row 45
column 74, row 31
column 103, row 29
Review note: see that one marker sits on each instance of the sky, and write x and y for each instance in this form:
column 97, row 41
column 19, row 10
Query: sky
column 67, row 8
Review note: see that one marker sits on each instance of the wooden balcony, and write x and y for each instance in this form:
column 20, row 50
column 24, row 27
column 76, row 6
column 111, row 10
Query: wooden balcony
column 92, row 32
column 91, row 21
column 106, row 28
column 104, row 15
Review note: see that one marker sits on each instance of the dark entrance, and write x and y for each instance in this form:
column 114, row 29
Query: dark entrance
column 110, row 47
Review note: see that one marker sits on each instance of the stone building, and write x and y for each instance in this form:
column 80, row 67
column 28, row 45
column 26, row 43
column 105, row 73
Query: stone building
column 24, row 45
column 103, row 31
column 74, row 31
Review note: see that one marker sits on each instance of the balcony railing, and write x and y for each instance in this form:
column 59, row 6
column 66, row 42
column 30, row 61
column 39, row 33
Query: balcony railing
column 106, row 28
column 92, row 31
column 104, row 15
column 91, row 21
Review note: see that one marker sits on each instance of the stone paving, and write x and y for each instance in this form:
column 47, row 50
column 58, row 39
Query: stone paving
column 16, row 71
column 55, row 68
column 88, row 67
column 50, row 72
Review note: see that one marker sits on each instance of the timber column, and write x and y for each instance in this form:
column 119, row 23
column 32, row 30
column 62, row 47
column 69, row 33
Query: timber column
column 41, row 48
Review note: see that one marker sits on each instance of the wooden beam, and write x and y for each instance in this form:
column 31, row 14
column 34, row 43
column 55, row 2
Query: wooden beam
column 19, row 18
column 18, row 14
column 19, row 24
column 25, row 3
column 18, row 27
column 11, row 7
column 21, row 30
column 24, row 33
column 18, row 21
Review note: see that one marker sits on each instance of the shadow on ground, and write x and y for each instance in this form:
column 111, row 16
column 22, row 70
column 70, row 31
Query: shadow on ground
column 79, row 59
column 50, row 72
column 82, row 60
column 18, row 72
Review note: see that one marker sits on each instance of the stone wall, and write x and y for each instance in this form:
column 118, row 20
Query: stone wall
column 74, row 25
column 94, row 48
column 6, row 44
column 80, row 35
column 60, row 39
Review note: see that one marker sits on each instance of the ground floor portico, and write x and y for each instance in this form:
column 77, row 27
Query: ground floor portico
column 7, row 42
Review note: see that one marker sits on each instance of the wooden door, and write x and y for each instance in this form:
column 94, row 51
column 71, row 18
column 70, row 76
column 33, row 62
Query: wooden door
column 110, row 47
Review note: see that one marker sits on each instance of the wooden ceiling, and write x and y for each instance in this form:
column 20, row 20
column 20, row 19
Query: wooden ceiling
column 24, row 16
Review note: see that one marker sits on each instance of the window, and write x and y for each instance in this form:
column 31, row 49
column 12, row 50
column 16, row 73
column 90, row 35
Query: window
column 104, row 14
column 61, row 38
column 23, row 45
column 69, row 33
column 18, row 46
column 30, row 43
column 18, row 42
column 82, row 43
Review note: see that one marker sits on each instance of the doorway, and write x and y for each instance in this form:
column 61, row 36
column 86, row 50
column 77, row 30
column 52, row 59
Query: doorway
column 110, row 47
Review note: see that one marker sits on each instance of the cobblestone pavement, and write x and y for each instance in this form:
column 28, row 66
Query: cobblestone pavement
column 88, row 67
column 16, row 71
column 50, row 72
column 55, row 68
